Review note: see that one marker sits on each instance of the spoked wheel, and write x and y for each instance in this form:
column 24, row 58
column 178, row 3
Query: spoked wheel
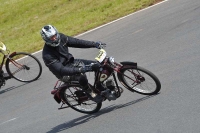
column 140, row 80
column 74, row 97
column 26, row 69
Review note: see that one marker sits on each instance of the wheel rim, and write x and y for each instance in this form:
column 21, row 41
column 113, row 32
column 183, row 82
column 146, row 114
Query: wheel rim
column 25, row 69
column 72, row 100
column 139, row 81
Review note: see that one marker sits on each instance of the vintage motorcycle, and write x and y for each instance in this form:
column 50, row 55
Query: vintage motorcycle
column 129, row 74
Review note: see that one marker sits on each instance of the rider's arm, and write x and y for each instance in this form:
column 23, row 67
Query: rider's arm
column 79, row 43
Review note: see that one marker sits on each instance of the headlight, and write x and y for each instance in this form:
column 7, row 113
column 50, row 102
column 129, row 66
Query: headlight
column 111, row 60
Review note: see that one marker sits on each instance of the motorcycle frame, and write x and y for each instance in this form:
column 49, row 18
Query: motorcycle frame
column 115, row 68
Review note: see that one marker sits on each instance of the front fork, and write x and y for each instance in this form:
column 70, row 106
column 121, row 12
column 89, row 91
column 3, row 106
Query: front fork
column 116, row 83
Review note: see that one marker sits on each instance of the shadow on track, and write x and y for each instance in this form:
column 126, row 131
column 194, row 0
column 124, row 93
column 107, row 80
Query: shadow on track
column 86, row 118
column 11, row 88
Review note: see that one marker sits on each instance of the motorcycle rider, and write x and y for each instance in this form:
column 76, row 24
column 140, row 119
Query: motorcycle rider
column 60, row 62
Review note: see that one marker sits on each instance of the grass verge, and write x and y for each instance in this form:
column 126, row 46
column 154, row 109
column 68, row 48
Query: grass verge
column 22, row 20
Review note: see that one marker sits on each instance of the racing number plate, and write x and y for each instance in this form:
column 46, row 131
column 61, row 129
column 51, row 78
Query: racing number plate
column 101, row 56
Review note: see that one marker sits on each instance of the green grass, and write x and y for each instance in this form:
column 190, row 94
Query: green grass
column 22, row 20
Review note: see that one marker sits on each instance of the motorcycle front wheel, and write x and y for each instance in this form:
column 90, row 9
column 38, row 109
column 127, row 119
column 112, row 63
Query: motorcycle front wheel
column 75, row 98
column 140, row 80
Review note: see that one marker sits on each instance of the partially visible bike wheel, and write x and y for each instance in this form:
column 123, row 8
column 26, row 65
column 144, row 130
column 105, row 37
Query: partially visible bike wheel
column 140, row 80
column 74, row 97
column 24, row 67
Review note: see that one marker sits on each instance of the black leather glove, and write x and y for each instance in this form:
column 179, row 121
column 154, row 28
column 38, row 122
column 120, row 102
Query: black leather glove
column 95, row 66
column 85, row 69
column 100, row 45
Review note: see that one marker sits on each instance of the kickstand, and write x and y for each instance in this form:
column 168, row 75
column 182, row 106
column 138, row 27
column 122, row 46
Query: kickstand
column 63, row 107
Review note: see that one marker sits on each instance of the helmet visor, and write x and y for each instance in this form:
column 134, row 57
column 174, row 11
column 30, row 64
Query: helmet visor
column 54, row 37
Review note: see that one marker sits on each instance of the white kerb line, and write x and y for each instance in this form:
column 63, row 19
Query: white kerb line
column 8, row 121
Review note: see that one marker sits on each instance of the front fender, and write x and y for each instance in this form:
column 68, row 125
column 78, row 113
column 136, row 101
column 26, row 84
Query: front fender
column 14, row 53
column 128, row 63
column 125, row 65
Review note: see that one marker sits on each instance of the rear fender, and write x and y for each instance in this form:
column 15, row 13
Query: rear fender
column 56, row 92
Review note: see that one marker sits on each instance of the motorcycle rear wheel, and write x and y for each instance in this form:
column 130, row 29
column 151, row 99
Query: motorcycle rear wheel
column 79, row 103
column 140, row 80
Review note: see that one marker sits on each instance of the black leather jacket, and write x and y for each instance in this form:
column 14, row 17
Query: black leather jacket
column 56, row 58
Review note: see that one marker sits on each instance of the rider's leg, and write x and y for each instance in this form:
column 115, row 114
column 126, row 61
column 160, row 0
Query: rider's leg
column 83, row 80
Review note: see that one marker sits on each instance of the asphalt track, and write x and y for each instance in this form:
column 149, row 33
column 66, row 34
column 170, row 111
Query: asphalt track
column 163, row 39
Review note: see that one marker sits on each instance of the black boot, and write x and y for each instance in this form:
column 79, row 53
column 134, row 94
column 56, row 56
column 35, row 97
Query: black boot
column 92, row 95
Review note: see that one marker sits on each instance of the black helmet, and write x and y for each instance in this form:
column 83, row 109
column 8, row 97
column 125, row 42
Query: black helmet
column 50, row 35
